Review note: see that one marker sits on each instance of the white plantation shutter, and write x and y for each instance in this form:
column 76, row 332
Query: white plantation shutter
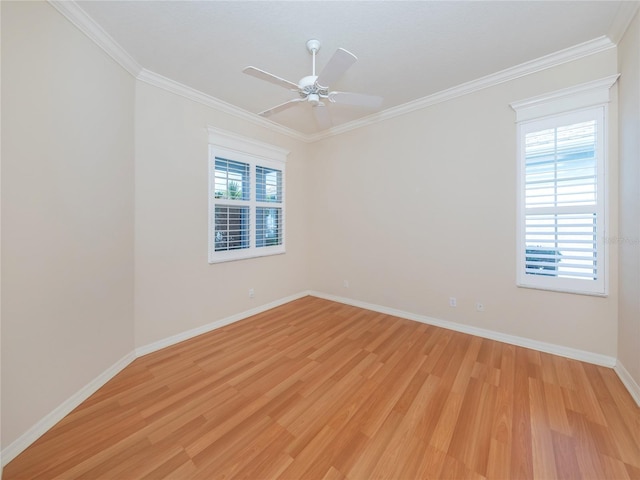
column 269, row 186
column 231, row 228
column 232, row 215
column 562, row 202
column 269, row 213
column 562, row 147
column 246, row 197
column 563, row 245
column 232, row 179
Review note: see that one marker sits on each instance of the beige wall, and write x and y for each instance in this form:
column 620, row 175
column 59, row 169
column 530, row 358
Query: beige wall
column 421, row 207
column 67, row 213
column 629, row 238
column 410, row 211
column 175, row 288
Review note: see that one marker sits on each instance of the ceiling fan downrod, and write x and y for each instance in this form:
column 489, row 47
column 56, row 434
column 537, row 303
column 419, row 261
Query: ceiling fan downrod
column 313, row 46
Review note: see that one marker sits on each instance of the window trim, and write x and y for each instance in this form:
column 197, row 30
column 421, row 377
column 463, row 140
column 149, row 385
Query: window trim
column 550, row 109
column 231, row 146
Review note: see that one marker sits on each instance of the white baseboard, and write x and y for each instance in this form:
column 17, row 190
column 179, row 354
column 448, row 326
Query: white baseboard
column 35, row 432
column 582, row 355
column 629, row 382
column 180, row 337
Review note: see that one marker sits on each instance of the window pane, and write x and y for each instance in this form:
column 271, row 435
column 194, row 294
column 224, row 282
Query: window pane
column 561, row 245
column 268, row 185
column 231, row 180
column 560, row 166
column 231, row 228
column 268, row 226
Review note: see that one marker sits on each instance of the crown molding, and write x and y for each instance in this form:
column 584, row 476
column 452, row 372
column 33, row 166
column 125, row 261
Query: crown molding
column 570, row 54
column 622, row 20
column 580, row 96
column 172, row 86
column 78, row 17
column 81, row 20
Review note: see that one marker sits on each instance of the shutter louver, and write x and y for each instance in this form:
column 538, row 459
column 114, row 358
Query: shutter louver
column 561, row 200
column 268, row 185
column 269, row 218
column 232, row 180
column 231, row 228
column 268, row 226
column 232, row 220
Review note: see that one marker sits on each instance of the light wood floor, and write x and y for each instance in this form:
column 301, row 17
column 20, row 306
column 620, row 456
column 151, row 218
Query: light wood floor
column 320, row 390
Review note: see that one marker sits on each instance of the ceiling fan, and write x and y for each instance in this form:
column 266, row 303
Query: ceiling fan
column 314, row 89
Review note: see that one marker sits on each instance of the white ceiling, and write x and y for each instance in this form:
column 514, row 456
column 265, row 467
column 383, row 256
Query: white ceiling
column 406, row 50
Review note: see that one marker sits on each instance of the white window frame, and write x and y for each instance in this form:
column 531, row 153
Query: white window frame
column 585, row 101
column 230, row 146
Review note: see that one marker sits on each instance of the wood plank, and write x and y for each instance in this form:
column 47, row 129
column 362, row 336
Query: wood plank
column 319, row 390
column 544, row 462
column 521, row 449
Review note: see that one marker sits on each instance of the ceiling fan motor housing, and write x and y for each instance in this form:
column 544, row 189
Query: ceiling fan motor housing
column 307, row 83
column 308, row 86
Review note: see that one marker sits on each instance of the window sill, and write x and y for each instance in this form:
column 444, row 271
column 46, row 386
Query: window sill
column 234, row 256
column 563, row 290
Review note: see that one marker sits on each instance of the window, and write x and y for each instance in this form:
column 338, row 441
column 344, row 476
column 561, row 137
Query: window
column 562, row 190
column 246, row 198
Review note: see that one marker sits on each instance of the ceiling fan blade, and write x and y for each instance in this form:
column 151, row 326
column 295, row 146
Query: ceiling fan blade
column 356, row 99
column 281, row 107
column 336, row 67
column 269, row 77
column 321, row 114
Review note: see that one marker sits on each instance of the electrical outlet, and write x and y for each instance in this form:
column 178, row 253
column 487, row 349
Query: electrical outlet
column 453, row 302
column 480, row 306
column 252, row 293
column 345, row 283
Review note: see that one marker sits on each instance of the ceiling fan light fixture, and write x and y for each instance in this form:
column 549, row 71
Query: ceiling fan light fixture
column 313, row 99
